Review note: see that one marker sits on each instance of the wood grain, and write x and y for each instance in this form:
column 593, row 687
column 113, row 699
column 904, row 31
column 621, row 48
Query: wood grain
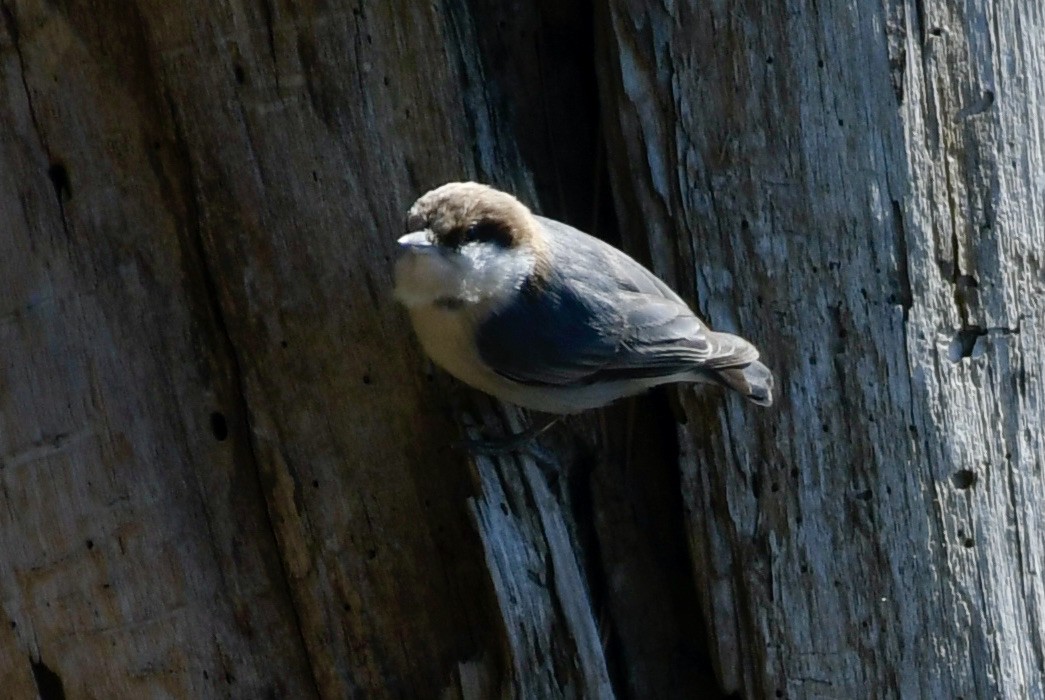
column 226, row 469
column 854, row 187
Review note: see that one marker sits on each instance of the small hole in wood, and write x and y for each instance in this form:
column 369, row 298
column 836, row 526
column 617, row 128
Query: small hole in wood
column 964, row 344
column 963, row 479
column 218, row 426
column 59, row 177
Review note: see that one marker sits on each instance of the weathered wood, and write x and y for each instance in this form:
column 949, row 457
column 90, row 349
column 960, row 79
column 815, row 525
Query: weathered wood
column 222, row 471
column 856, row 187
column 224, row 463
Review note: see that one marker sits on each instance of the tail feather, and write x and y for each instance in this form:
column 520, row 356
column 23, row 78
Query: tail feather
column 754, row 381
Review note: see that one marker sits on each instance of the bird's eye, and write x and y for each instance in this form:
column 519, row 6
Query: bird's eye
column 487, row 231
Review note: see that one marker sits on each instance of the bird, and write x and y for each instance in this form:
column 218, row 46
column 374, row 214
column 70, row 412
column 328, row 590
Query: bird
column 539, row 314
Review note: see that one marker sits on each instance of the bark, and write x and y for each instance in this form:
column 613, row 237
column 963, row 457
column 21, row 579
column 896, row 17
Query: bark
column 223, row 472
column 225, row 467
column 856, row 187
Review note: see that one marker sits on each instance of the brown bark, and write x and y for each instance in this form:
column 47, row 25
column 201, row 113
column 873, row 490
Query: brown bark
column 224, row 473
column 225, row 467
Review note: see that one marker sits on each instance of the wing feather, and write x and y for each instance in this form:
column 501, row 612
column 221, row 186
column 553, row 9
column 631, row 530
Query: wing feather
column 600, row 316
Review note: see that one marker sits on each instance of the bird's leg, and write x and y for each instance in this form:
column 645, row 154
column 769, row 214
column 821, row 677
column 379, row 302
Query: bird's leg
column 508, row 443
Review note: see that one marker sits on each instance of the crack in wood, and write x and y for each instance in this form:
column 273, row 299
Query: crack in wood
column 197, row 248
column 56, row 172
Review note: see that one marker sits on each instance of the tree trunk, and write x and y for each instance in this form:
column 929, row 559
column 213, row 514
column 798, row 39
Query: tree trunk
column 225, row 466
column 857, row 188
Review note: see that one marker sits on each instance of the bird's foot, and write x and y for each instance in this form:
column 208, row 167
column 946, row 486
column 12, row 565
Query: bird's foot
column 508, row 444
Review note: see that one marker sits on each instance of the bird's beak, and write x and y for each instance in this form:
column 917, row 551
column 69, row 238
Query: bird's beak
column 417, row 241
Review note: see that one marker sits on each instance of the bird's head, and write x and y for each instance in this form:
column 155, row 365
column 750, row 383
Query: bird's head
column 467, row 244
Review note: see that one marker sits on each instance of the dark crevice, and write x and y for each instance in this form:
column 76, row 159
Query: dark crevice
column 268, row 16
column 219, row 426
column 48, row 683
column 197, row 250
column 582, row 506
column 963, row 345
column 56, row 172
column 59, row 177
column 905, row 295
column 11, row 22
column 964, row 342
column 550, row 107
column 919, row 18
column 956, row 274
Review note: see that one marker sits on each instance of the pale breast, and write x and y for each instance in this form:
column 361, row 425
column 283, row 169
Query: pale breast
column 448, row 338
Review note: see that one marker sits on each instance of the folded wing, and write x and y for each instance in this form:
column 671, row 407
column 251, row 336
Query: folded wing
column 600, row 316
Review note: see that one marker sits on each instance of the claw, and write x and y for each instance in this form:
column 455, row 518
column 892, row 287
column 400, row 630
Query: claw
column 506, row 444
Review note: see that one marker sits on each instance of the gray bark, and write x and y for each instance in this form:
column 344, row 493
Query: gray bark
column 224, row 462
column 857, row 188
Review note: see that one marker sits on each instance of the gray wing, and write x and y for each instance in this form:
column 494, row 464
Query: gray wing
column 600, row 316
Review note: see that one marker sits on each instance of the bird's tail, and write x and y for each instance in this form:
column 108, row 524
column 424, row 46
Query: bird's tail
column 753, row 381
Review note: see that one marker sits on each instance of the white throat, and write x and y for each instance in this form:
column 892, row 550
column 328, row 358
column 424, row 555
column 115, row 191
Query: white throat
column 479, row 273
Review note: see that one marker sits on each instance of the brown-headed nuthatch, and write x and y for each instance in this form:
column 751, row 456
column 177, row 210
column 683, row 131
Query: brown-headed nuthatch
column 544, row 316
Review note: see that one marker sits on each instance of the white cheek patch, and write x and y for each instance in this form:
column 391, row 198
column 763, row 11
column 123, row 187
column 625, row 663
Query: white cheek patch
column 480, row 272
column 493, row 272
